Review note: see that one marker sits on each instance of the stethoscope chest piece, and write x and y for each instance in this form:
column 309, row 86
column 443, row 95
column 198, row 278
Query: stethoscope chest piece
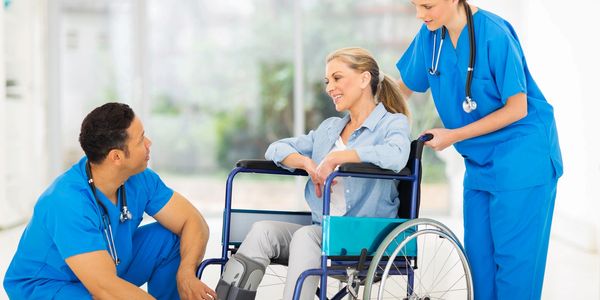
column 469, row 105
column 125, row 214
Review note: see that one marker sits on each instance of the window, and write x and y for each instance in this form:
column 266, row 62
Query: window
column 214, row 81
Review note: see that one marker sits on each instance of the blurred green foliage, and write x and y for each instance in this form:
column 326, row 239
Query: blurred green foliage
column 223, row 87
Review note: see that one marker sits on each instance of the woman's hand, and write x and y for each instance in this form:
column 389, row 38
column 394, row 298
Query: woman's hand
column 326, row 167
column 311, row 168
column 442, row 138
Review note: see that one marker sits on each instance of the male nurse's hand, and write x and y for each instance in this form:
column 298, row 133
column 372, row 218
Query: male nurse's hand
column 190, row 287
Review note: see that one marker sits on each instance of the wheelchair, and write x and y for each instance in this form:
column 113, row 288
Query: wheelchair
column 373, row 258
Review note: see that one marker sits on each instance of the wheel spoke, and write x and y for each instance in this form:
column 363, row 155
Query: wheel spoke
column 438, row 271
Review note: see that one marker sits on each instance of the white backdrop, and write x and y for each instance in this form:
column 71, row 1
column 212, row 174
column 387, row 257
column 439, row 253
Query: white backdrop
column 560, row 43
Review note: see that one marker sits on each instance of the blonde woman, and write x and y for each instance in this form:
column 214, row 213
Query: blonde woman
column 375, row 130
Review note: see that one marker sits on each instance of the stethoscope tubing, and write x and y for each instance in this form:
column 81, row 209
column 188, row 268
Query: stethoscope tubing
column 124, row 216
column 434, row 69
column 112, row 249
column 473, row 50
column 469, row 104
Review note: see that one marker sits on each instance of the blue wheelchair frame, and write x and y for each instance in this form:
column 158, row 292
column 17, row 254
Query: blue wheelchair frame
column 409, row 180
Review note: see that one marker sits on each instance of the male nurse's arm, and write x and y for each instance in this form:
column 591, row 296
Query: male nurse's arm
column 183, row 219
column 97, row 271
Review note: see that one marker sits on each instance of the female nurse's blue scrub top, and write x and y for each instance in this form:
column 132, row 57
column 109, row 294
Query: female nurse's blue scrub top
column 523, row 154
column 67, row 221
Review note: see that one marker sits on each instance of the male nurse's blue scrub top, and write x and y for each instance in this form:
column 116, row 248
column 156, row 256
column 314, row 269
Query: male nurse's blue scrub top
column 523, row 154
column 66, row 221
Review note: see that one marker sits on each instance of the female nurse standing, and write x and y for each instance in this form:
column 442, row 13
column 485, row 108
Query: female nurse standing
column 499, row 121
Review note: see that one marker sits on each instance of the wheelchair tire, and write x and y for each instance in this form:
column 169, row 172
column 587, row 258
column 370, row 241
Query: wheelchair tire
column 440, row 269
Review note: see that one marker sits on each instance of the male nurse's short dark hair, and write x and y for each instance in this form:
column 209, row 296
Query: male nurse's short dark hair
column 105, row 129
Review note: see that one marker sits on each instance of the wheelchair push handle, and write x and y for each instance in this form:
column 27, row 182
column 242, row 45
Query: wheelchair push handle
column 426, row 137
column 418, row 144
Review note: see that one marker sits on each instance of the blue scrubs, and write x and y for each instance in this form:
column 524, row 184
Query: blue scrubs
column 67, row 221
column 511, row 174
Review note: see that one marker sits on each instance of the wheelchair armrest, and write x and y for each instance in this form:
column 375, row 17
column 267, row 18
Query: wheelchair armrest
column 369, row 168
column 267, row 165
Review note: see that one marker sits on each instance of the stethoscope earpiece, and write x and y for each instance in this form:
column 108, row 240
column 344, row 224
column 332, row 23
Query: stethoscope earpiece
column 433, row 72
column 435, row 62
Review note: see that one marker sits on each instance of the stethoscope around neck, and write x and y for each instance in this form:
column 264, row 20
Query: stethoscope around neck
column 468, row 104
column 125, row 214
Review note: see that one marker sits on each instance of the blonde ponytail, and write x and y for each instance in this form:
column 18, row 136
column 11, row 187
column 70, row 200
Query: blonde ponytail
column 389, row 94
column 383, row 87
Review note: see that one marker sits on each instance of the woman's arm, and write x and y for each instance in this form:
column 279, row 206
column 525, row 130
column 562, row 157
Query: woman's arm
column 299, row 161
column 334, row 159
column 280, row 150
column 390, row 151
column 514, row 110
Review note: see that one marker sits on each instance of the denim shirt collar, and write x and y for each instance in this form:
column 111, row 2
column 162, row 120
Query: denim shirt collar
column 371, row 122
column 375, row 116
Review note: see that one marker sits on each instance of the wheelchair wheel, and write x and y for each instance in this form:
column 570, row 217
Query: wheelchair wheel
column 420, row 259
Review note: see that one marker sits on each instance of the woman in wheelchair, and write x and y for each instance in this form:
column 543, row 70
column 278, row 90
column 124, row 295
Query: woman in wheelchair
column 375, row 130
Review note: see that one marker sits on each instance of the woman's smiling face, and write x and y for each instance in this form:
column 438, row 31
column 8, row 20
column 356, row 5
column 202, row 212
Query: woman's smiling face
column 343, row 84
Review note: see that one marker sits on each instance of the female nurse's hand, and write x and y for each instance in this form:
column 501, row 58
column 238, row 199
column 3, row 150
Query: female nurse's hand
column 442, row 138
column 310, row 166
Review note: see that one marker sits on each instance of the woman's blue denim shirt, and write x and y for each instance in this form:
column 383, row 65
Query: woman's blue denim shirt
column 383, row 139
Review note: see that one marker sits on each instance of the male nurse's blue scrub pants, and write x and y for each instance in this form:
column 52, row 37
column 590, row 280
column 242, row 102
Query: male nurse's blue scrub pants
column 506, row 238
column 155, row 260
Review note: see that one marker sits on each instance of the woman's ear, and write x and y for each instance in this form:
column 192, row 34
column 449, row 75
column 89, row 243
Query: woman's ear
column 365, row 80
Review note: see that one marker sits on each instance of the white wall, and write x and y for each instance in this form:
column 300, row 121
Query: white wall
column 561, row 45
column 3, row 208
column 22, row 154
column 571, row 78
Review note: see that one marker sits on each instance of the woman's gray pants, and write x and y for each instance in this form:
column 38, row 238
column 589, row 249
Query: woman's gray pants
column 299, row 245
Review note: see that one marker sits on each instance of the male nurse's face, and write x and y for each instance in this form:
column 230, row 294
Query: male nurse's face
column 139, row 147
column 434, row 13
